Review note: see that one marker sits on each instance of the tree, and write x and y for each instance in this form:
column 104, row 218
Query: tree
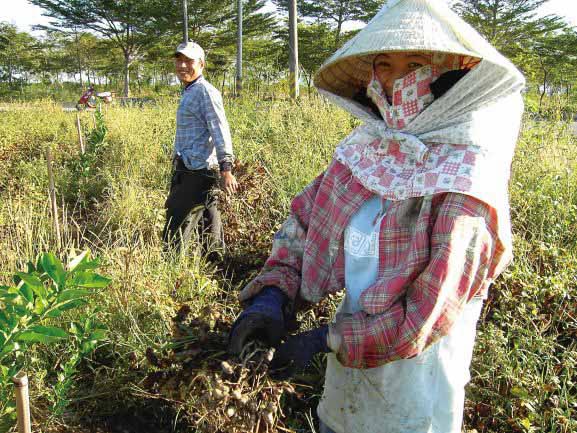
column 509, row 25
column 18, row 54
column 129, row 24
column 552, row 63
column 335, row 12
column 316, row 44
column 212, row 24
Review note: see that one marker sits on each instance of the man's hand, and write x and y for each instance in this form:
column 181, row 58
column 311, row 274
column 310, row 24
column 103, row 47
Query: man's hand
column 263, row 320
column 229, row 183
column 297, row 352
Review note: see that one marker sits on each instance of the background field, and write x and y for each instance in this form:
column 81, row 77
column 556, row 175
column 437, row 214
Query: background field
column 523, row 373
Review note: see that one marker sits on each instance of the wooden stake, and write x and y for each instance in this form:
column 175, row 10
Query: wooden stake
column 52, row 193
column 22, row 402
column 80, row 139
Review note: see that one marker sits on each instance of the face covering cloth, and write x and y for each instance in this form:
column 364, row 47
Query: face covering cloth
column 462, row 142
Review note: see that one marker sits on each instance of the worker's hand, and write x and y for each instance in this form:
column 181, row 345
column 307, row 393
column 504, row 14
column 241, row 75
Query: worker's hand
column 263, row 320
column 229, row 182
column 297, row 352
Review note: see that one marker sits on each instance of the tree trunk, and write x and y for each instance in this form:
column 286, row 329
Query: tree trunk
column 338, row 31
column 78, row 57
column 126, row 91
column 543, row 92
column 139, row 81
column 494, row 10
column 309, row 80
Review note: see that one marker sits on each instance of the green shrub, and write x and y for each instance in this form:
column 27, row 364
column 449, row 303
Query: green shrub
column 32, row 312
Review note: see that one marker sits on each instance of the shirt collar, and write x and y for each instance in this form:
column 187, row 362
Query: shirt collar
column 192, row 83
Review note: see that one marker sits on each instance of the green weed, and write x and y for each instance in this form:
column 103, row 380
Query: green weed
column 523, row 372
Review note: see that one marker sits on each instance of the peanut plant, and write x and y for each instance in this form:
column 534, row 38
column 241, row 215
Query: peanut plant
column 32, row 312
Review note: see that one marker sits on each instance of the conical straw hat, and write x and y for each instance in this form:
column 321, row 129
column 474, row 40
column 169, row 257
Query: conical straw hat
column 404, row 25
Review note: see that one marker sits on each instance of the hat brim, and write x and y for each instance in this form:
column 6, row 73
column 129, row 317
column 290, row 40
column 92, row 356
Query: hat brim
column 347, row 75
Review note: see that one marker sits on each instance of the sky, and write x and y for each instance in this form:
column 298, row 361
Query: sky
column 24, row 15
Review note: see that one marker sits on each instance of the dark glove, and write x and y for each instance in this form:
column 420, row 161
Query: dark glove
column 297, row 352
column 263, row 320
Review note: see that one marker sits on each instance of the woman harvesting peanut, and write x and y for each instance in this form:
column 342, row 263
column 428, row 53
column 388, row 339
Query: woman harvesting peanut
column 411, row 218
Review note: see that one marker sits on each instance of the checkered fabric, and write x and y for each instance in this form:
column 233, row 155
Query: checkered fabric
column 435, row 253
column 411, row 95
column 395, row 163
column 399, row 165
column 203, row 137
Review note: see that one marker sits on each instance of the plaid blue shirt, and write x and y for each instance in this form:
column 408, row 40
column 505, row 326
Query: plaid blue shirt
column 202, row 133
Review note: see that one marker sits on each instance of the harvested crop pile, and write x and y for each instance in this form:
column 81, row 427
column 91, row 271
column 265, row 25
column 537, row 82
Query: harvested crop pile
column 216, row 393
column 253, row 215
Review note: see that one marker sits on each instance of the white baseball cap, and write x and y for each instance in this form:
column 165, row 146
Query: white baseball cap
column 191, row 50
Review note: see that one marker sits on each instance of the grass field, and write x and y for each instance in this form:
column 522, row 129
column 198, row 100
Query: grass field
column 111, row 202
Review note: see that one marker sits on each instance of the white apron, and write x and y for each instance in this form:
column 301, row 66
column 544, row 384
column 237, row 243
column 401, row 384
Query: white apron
column 424, row 394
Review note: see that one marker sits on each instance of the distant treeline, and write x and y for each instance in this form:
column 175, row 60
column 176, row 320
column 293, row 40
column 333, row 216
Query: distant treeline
column 116, row 44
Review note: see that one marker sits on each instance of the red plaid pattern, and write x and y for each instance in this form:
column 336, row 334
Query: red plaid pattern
column 409, row 80
column 423, row 87
column 410, row 108
column 398, row 97
column 431, row 179
column 470, row 158
column 410, row 96
column 435, row 253
column 451, row 168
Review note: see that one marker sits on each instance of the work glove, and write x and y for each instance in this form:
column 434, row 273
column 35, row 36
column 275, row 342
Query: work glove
column 298, row 351
column 262, row 320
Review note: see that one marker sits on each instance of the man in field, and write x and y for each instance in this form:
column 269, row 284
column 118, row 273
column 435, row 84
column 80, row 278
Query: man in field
column 202, row 148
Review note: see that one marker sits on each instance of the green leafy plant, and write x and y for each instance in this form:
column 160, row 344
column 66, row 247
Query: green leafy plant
column 31, row 310
column 86, row 183
column 85, row 335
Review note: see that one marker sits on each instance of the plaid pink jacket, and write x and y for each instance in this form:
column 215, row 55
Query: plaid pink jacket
column 435, row 254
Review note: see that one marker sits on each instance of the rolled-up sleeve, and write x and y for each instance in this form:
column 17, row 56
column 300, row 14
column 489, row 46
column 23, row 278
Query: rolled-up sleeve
column 218, row 126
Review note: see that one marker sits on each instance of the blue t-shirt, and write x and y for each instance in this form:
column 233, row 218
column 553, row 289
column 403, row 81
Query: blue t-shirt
column 361, row 245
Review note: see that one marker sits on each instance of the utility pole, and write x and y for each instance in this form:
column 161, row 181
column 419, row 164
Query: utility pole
column 185, row 21
column 239, row 51
column 294, row 51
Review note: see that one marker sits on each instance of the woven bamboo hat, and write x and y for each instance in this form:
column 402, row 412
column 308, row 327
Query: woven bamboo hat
column 404, row 25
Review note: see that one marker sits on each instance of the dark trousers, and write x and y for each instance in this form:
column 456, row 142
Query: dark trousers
column 191, row 210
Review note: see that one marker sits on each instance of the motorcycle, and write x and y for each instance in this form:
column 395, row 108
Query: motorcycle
column 91, row 97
